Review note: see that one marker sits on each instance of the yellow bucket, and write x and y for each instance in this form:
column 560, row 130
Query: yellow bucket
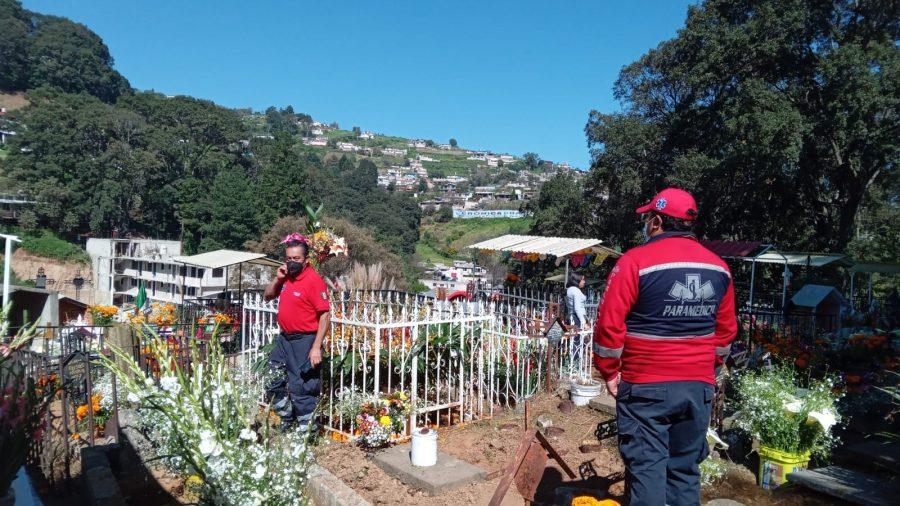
column 774, row 466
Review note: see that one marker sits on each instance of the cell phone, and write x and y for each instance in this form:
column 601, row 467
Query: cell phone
column 305, row 367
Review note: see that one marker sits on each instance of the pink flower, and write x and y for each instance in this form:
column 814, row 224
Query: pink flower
column 294, row 237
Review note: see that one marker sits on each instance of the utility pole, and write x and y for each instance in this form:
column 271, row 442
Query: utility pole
column 7, row 259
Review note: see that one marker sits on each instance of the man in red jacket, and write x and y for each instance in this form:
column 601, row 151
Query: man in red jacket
column 665, row 323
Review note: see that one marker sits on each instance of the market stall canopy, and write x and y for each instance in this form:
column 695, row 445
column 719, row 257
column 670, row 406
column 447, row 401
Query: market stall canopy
column 555, row 246
column 879, row 267
column 561, row 278
column 226, row 257
column 733, row 249
column 799, row 258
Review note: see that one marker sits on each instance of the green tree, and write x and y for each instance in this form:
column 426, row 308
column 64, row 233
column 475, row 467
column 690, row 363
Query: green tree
column 231, row 207
column 357, row 131
column 532, row 161
column 453, row 142
column 13, row 45
column 444, row 214
column 780, row 116
column 72, row 58
column 559, row 208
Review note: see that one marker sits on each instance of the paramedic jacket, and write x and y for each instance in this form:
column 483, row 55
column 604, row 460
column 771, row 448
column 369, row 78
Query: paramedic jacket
column 667, row 313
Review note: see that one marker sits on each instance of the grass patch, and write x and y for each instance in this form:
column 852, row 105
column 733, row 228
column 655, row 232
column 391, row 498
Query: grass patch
column 444, row 242
column 46, row 244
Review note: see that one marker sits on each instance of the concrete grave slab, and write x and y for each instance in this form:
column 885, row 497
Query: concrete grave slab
column 449, row 473
column 605, row 403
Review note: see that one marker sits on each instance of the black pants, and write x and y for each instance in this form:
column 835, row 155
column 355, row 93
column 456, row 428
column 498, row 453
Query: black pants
column 662, row 438
column 290, row 354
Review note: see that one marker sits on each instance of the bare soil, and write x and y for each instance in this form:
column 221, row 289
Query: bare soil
column 491, row 443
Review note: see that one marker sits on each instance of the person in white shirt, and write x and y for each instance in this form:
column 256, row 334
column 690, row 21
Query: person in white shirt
column 575, row 300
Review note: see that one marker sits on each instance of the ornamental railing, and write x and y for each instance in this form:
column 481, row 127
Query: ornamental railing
column 457, row 361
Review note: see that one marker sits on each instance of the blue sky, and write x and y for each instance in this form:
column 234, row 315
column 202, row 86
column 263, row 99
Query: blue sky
column 508, row 76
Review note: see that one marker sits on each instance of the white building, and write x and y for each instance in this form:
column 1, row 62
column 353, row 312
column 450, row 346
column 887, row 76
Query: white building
column 416, row 144
column 315, row 141
column 445, row 147
column 487, row 213
column 507, row 158
column 347, row 146
column 121, row 265
column 367, row 135
column 317, row 131
column 393, row 152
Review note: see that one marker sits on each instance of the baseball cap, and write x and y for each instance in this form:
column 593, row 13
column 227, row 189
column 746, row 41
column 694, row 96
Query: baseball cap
column 673, row 202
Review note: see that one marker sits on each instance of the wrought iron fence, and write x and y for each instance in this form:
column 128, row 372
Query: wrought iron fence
column 458, row 361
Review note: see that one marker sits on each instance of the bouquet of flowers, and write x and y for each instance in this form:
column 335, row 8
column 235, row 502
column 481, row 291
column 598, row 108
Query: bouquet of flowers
column 782, row 416
column 103, row 315
column 100, row 413
column 216, row 319
column 383, row 419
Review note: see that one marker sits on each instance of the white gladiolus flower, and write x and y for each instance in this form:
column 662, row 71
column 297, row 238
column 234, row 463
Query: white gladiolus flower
column 248, row 434
column 208, row 444
column 170, row 384
column 148, row 382
column 259, row 472
column 133, row 398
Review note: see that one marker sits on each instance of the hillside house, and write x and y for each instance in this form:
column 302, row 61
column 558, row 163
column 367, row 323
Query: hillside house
column 445, row 147
column 315, row 141
column 347, row 147
column 415, row 143
column 507, row 158
column 424, row 158
column 393, row 152
column 366, row 135
column 317, row 131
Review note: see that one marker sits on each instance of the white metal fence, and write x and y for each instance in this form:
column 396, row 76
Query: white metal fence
column 458, row 361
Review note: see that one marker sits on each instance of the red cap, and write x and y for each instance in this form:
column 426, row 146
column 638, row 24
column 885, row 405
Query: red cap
column 673, row 202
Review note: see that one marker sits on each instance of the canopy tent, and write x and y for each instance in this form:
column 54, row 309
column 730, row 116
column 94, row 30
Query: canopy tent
column 870, row 268
column 224, row 258
column 559, row 247
column 756, row 252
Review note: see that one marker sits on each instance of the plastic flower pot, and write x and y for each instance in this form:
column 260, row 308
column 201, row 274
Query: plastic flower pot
column 582, row 393
column 774, row 466
column 424, row 447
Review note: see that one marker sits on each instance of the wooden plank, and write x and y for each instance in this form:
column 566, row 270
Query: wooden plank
column 531, row 470
column 553, row 453
column 849, row 485
column 510, row 471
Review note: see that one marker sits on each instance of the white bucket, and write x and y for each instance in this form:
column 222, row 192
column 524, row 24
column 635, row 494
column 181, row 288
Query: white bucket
column 582, row 394
column 424, row 448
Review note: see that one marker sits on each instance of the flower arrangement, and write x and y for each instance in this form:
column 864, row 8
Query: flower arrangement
column 100, row 413
column 23, row 403
column 160, row 314
column 219, row 319
column 103, row 315
column 782, row 416
column 204, row 420
column 378, row 419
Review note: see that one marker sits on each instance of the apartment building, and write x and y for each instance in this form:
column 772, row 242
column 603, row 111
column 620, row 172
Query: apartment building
column 120, row 265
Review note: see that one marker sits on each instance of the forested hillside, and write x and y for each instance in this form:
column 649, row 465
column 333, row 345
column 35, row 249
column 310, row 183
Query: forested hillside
column 101, row 158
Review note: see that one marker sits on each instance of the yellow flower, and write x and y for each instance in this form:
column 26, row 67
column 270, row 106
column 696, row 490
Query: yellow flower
column 385, row 420
column 403, row 396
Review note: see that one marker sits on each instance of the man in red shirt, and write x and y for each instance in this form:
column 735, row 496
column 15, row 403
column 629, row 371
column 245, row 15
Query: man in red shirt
column 665, row 323
column 304, row 316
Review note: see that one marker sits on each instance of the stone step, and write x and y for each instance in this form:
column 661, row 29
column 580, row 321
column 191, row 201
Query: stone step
column 881, row 454
column 449, row 473
column 849, row 485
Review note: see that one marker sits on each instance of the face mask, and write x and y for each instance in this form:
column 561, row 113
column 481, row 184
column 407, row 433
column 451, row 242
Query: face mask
column 645, row 232
column 294, row 268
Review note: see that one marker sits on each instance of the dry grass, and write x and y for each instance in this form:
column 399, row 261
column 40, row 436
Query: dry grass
column 13, row 101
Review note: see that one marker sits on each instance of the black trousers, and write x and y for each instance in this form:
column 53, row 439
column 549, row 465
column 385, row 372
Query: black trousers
column 662, row 439
column 291, row 353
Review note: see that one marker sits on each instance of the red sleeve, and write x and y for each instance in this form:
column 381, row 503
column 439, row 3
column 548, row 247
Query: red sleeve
column 319, row 295
column 609, row 330
column 726, row 325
